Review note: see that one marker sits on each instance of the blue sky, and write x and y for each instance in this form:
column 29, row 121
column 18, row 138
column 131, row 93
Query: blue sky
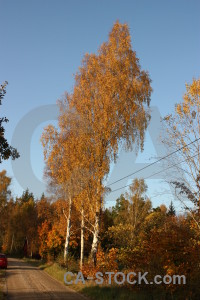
column 43, row 43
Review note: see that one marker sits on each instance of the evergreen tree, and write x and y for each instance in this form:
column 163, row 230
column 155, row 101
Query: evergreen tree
column 6, row 150
column 171, row 211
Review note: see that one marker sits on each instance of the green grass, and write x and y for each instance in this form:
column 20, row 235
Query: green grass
column 55, row 271
column 98, row 292
column 35, row 263
column 119, row 293
column 52, row 269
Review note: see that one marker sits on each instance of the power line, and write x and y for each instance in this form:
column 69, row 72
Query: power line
column 164, row 157
column 156, row 173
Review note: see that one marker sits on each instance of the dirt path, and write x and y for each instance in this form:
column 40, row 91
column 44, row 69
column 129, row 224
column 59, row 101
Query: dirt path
column 27, row 282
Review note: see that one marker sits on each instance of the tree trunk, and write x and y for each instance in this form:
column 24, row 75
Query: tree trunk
column 95, row 238
column 11, row 247
column 97, row 225
column 66, row 249
column 82, row 238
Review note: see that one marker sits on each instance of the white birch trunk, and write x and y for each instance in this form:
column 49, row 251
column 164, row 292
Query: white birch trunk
column 95, row 238
column 96, row 226
column 66, row 249
column 82, row 238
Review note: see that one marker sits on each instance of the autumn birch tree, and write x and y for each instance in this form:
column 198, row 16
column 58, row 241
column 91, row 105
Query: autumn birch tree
column 182, row 130
column 111, row 94
column 59, row 155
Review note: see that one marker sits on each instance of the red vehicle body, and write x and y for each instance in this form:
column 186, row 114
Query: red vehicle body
column 3, row 261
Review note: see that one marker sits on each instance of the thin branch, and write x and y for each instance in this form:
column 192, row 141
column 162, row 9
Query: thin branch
column 65, row 214
column 89, row 229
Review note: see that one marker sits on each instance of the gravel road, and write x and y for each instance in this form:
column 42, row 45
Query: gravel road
column 28, row 282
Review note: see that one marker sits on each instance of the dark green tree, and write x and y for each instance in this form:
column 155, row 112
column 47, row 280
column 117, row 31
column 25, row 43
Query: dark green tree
column 171, row 210
column 25, row 198
column 6, row 150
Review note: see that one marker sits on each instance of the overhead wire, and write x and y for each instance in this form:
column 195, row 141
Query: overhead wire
column 171, row 166
column 149, row 165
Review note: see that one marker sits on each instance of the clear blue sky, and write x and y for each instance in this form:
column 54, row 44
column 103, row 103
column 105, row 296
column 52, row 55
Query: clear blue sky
column 43, row 43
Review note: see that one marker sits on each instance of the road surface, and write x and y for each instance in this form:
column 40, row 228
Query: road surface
column 28, row 282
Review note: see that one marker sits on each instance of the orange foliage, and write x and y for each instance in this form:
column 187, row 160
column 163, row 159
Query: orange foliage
column 106, row 262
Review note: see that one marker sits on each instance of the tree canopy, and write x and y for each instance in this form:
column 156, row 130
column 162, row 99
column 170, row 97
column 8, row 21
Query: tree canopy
column 6, row 151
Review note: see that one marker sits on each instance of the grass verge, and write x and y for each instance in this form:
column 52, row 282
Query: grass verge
column 97, row 292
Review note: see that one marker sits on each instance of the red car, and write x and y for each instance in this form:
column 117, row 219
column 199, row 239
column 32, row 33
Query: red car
column 3, row 261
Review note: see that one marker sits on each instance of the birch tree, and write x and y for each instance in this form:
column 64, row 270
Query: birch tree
column 111, row 94
column 59, row 153
column 183, row 132
column 139, row 204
